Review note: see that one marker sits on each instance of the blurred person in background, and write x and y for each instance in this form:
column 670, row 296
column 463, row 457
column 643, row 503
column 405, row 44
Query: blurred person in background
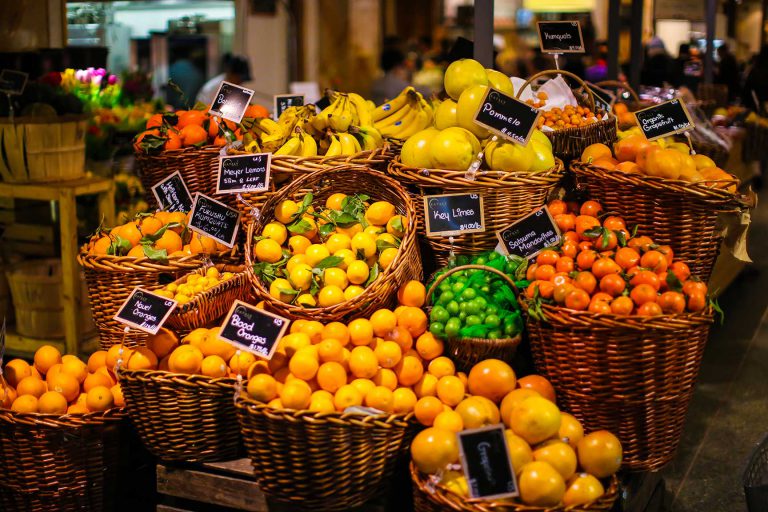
column 187, row 78
column 395, row 77
column 235, row 70
column 598, row 71
column 728, row 71
column 657, row 65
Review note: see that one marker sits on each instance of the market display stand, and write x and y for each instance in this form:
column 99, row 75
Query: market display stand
column 66, row 194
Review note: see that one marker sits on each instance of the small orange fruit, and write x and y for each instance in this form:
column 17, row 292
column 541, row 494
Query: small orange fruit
column 427, row 386
column 186, row 359
column 380, row 398
column 582, row 489
column 363, row 363
column 45, row 357
column 449, row 420
column 513, row 398
column 409, row 370
column 599, row 453
column 427, row 409
column 117, row 394
column 161, row 343
column 570, row 430
column 539, row 384
column 142, row 358
column 97, row 360
column 25, row 403
column 99, row 399
column 347, row 396
column 413, row 293
column 31, row 386
column 541, row 485
column 96, row 379
column 52, row 402
column 404, row 400
column 559, row 455
column 428, row 346
column 441, row 366
column 15, row 371
column 535, row 419
column 450, row 390
column 331, row 376
column 214, row 366
column 296, row 394
column 262, row 387
column 519, row 451
column 492, row 379
column 65, row 384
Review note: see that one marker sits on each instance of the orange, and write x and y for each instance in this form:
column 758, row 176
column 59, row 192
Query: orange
column 628, row 148
column 450, row 390
column 77, row 409
column 96, row 379
column 570, row 430
column 117, row 394
column 599, row 453
column 189, row 117
column 337, row 331
column 363, row 363
column 388, row 353
column 385, row 377
column 108, row 374
column 304, row 364
column 441, row 366
column 213, row 346
column 99, row 399
column 130, row 232
column 475, row 413
column 330, row 349
column 427, row 408
column 101, row 246
column 170, row 241
column 53, row 371
column 25, row 403
column 52, row 402
column 45, row 357
column 31, row 386
column 541, row 485
column 65, row 384
column 15, row 371
column 360, row 331
column 595, row 152
column 240, row 363
column 383, row 321
column 413, row 319
column 535, row 419
column 402, row 337
column 295, row 341
column 150, row 225
column 142, row 358
column 214, row 366
column 513, row 398
column 492, row 379
column 314, row 330
column 427, row 386
column 409, row 370
column 539, row 384
column 186, row 359
column 449, row 420
column 364, row 386
column 192, row 135
column 380, row 398
column 433, row 449
column 114, row 353
column 7, row 395
column 559, row 455
column 97, row 360
column 520, row 453
column 347, row 396
column 582, row 489
column 296, row 394
column 428, row 346
column 331, row 376
column 412, row 293
column 321, row 401
column 256, row 368
column 404, row 400
column 262, row 387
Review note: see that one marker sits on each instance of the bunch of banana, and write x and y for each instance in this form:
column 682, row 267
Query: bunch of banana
column 345, row 110
column 403, row 116
column 299, row 144
column 368, row 136
column 342, row 144
column 295, row 116
column 269, row 134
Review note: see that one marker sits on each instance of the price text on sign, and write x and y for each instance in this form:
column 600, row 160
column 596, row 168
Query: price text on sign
column 560, row 37
column 604, row 100
column 486, row 463
column 231, row 101
column 506, row 116
column 12, row 82
column 664, row 119
column 243, row 173
column 454, row 214
column 254, row 330
column 172, row 194
column 530, row 235
column 285, row 101
column 145, row 311
column 214, row 219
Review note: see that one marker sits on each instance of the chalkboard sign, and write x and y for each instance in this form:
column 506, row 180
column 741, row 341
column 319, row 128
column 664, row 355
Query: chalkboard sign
column 254, row 330
column 13, row 82
column 506, row 116
column 664, row 119
column 486, row 463
column 243, row 173
column 560, row 37
column 530, row 235
column 231, row 101
column 172, row 194
column 454, row 214
column 214, row 219
column 604, row 100
column 145, row 311
column 285, row 101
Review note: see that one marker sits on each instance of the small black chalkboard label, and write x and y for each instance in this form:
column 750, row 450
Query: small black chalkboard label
column 214, row 219
column 231, row 101
column 243, row 173
column 145, row 311
column 285, row 101
column 560, row 37
column 604, row 100
column 454, row 214
column 13, row 82
column 530, row 235
column 486, row 463
column 172, row 194
column 665, row 119
column 254, row 330
column 507, row 116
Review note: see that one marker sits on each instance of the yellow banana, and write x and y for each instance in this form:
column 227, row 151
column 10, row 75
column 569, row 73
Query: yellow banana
column 349, row 145
column 341, row 118
column 291, row 147
column 396, row 128
column 369, row 137
column 364, row 117
column 308, row 145
column 320, row 121
column 335, row 148
column 398, row 116
column 288, row 119
column 420, row 122
column 392, row 106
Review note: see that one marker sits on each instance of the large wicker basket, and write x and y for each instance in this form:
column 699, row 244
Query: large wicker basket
column 569, row 143
column 322, row 461
column 431, row 497
column 50, row 462
column 182, row 417
column 633, row 376
column 507, row 197
column 677, row 213
column 349, row 180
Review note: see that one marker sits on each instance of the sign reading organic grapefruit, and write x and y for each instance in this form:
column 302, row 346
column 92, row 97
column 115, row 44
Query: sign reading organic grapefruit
column 665, row 119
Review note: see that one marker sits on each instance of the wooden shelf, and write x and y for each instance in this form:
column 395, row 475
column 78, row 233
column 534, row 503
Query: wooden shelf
column 24, row 347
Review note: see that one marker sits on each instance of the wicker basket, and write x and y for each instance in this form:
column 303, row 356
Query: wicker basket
column 635, row 103
column 349, row 180
column 633, row 376
column 111, row 279
column 210, row 305
column 322, row 461
column 569, row 143
column 50, row 462
column 42, row 149
column 507, row 197
column 429, row 497
column 467, row 352
column 677, row 213
column 182, row 417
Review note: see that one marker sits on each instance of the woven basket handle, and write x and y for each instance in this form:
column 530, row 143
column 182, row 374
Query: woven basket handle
column 469, row 267
column 616, row 84
column 548, row 72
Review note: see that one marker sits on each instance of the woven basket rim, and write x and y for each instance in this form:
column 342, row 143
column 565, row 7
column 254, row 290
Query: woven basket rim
column 144, row 264
column 239, row 278
column 185, row 378
column 64, row 420
column 484, row 177
column 178, row 153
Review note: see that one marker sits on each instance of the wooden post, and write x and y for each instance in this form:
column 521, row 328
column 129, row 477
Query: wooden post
column 484, row 32
column 636, row 46
column 614, row 29
column 709, row 56
column 70, row 279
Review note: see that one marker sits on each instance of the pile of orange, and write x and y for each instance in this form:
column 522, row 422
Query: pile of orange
column 156, row 236
column 570, row 116
column 623, row 115
column 56, row 384
column 546, row 446
column 600, row 268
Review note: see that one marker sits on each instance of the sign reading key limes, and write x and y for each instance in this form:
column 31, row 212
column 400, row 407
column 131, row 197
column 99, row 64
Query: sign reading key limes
column 453, row 214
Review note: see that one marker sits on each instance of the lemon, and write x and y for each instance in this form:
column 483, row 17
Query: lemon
column 286, row 210
column 276, row 232
column 306, row 300
column 387, row 238
column 353, row 291
column 396, row 226
column 380, row 212
column 348, row 256
column 295, row 260
column 300, row 276
column 212, row 272
column 281, row 284
column 330, row 296
column 334, row 201
column 316, row 253
column 311, row 232
column 181, row 298
column 357, row 272
column 365, row 243
column 298, row 244
column 351, row 230
column 387, row 257
column 337, row 242
column 268, row 250
column 374, row 231
column 335, row 277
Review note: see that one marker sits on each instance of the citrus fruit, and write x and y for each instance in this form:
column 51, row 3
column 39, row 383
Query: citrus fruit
column 185, row 359
column 441, row 366
column 492, row 379
column 427, row 386
column 295, row 394
column 214, row 366
column 541, row 485
column 427, row 408
column 141, row 358
column 433, row 449
column 570, row 430
column 581, row 489
column 388, row 354
column 519, row 451
column 599, row 453
column 380, row 398
column 161, row 344
column 513, row 398
column 357, row 272
column 45, row 357
column 31, row 386
column 269, row 251
column 539, row 384
column 99, row 399
column 117, row 394
column 535, row 419
column 15, row 371
column 97, row 379
column 559, row 455
column 449, row 420
column 65, row 384
column 474, row 413
column 25, row 403
column 450, row 390
column 360, row 331
column 331, row 376
column 330, row 296
column 363, row 363
column 429, row 347
column 404, row 400
column 262, row 387
column 409, row 370
column 347, row 396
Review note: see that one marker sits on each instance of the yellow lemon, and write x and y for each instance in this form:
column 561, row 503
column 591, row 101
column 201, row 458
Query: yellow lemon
column 334, row 202
column 276, row 232
column 338, row 241
column 330, row 296
column 315, row 253
column 282, row 290
column 348, row 256
column 365, row 244
column 396, row 226
column 351, row 230
column 386, row 257
column 335, row 277
column 298, row 244
column 374, row 231
column 357, row 272
column 300, row 276
column 286, row 210
column 295, row 260
column 353, row 291
column 380, row 212
column 306, row 300
column 385, row 241
column 268, row 250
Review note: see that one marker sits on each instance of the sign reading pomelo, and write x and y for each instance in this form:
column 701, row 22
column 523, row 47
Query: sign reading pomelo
column 665, row 119
column 145, row 311
column 13, row 82
column 231, row 101
column 214, row 219
column 560, row 37
column 285, row 101
column 530, row 235
column 454, row 214
column 243, row 173
column 486, row 463
column 506, row 116
column 172, row 194
column 254, row 330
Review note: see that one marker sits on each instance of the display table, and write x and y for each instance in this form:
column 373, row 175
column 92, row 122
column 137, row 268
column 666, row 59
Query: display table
column 66, row 194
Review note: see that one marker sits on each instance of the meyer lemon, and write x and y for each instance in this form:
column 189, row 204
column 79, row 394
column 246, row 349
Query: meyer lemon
column 335, row 277
column 298, row 244
column 348, row 258
column 281, row 290
column 379, row 213
column 335, row 201
column 337, row 242
column 357, row 272
column 285, row 211
column 535, row 419
column 374, row 231
column 306, row 300
column 330, row 296
column 386, row 257
column 300, row 276
column 396, row 226
column 541, row 485
column 269, row 251
column 294, row 260
column 353, row 291
column 364, row 243
column 315, row 253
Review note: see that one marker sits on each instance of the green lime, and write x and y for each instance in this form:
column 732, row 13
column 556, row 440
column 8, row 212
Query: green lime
column 469, row 294
column 494, row 256
column 494, row 334
column 439, row 314
column 445, row 297
column 457, row 287
column 462, row 315
column 473, row 320
column 491, row 309
column 463, row 307
column 452, row 327
column 481, row 260
column 481, row 302
column 491, row 320
column 437, row 329
column 452, row 307
column 473, row 306
column 443, row 287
